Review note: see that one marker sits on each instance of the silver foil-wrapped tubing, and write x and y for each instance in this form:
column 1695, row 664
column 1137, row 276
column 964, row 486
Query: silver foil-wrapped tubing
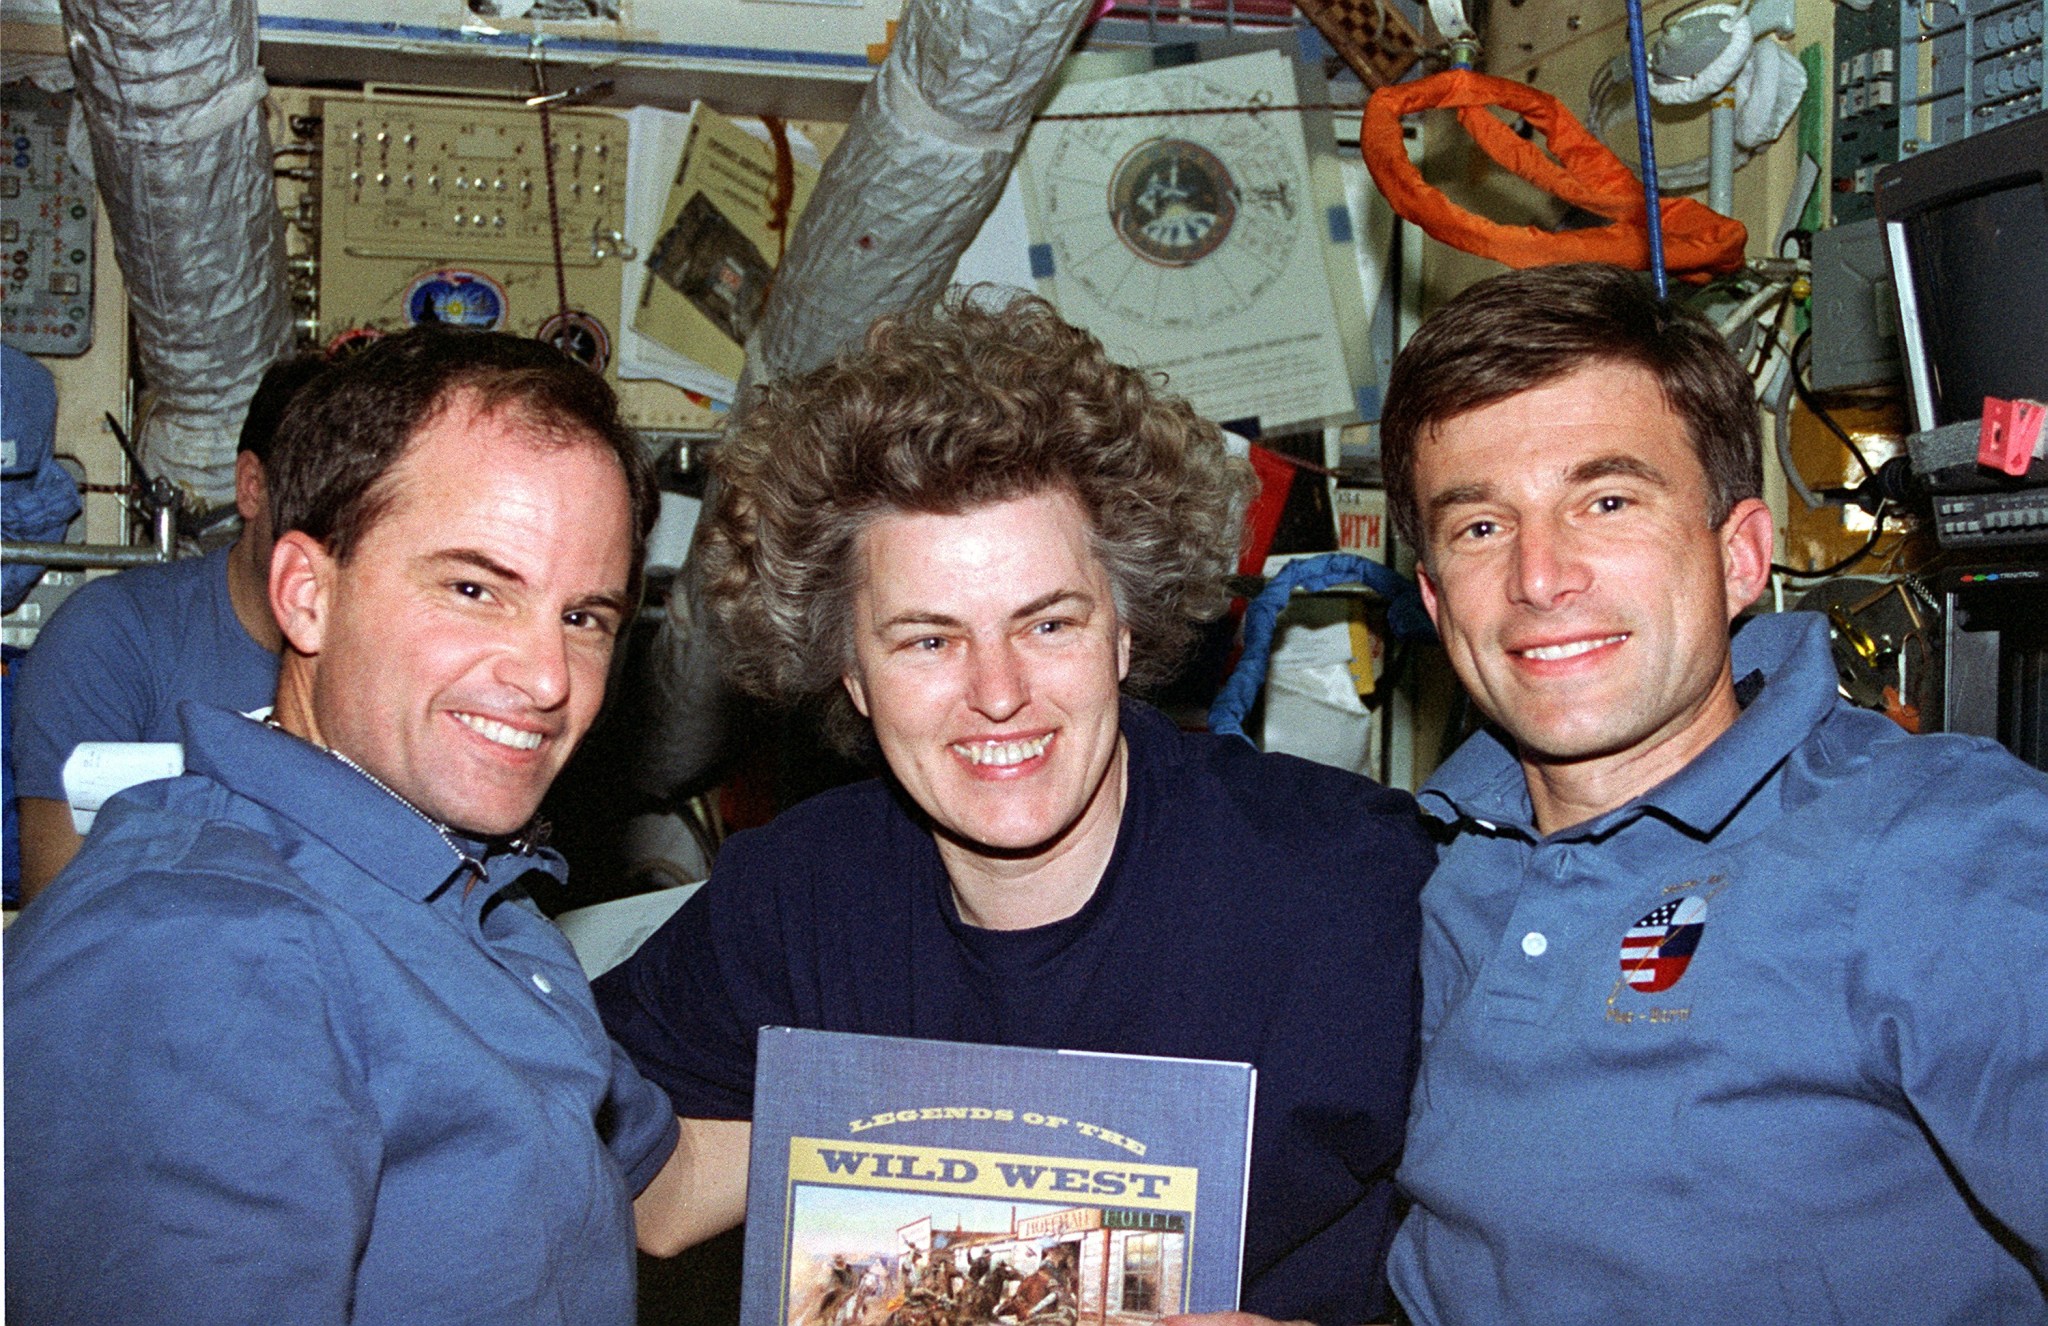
column 918, row 171
column 173, row 103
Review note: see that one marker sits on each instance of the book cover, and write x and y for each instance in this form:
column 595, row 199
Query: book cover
column 717, row 250
column 900, row 1182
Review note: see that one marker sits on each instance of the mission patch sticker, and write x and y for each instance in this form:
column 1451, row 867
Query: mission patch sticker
column 1657, row 949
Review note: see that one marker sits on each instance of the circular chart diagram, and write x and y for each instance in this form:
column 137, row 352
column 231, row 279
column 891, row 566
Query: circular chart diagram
column 1171, row 220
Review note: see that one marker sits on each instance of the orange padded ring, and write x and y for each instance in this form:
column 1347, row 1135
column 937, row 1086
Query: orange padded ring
column 1698, row 242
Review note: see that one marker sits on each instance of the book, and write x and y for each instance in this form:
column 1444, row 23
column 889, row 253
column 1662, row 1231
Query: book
column 718, row 245
column 898, row 1182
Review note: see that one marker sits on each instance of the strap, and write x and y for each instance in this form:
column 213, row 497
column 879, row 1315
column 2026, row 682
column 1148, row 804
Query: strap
column 1406, row 619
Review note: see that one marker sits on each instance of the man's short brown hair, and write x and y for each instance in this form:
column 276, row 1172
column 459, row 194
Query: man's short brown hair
column 1523, row 330
column 347, row 426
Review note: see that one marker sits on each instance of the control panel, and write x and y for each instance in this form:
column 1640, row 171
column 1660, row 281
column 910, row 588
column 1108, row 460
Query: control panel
column 1866, row 106
column 1968, row 65
column 1973, row 520
column 441, row 212
column 47, row 212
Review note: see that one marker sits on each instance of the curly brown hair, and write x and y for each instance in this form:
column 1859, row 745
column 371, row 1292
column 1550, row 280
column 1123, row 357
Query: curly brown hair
column 977, row 400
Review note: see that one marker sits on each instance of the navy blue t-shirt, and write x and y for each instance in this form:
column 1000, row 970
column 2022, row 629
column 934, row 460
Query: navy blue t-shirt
column 1257, row 908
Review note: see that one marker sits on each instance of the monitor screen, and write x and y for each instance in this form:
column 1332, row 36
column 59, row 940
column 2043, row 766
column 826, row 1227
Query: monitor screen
column 1980, row 274
column 1966, row 230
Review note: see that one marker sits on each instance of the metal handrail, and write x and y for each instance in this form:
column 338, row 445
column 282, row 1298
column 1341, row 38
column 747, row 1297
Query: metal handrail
column 80, row 556
column 164, row 501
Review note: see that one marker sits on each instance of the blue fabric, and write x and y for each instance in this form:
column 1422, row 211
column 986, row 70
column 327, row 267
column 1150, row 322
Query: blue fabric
column 119, row 655
column 268, row 1059
column 10, row 822
column 1406, row 617
column 1256, row 908
column 37, row 497
column 1770, row 1138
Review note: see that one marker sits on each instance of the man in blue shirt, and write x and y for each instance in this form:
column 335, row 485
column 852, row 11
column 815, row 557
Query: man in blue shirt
column 1733, row 1006
column 121, row 653
column 285, row 1042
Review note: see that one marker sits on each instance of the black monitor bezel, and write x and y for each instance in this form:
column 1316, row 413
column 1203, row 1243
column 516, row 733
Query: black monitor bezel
column 2011, row 155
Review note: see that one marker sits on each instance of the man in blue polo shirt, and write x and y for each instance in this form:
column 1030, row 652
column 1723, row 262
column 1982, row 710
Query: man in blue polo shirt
column 285, row 1042
column 121, row 653
column 1733, row 1005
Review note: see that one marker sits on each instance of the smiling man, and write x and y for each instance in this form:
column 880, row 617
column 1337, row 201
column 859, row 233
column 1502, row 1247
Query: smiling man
column 1732, row 1006
column 972, row 533
column 285, row 1042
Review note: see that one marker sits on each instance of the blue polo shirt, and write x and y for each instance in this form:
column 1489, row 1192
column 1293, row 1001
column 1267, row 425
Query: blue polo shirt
column 271, row 1058
column 1768, row 1043
column 118, row 657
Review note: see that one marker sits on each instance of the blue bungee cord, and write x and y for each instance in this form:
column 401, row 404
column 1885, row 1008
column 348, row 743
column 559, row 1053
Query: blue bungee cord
column 1646, row 148
column 1406, row 618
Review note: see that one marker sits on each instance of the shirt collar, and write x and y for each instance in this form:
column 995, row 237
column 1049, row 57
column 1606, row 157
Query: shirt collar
column 1788, row 655
column 1481, row 781
column 334, row 803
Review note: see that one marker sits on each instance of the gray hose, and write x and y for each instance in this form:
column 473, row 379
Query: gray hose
column 173, row 104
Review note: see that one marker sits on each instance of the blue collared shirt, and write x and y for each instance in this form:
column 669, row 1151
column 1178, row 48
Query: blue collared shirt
column 271, row 1057
column 1768, row 1043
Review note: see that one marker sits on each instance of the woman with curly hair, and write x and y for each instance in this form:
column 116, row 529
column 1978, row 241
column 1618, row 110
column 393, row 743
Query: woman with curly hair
column 976, row 532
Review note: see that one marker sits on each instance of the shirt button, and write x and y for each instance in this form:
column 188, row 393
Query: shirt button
column 1534, row 944
column 541, row 983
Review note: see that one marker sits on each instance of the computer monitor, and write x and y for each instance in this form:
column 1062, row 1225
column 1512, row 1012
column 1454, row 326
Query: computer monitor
column 1966, row 231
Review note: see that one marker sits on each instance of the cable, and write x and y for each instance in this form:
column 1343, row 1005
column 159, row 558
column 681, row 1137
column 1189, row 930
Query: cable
column 1781, row 405
column 1834, row 568
column 1805, row 343
column 1781, row 416
column 127, row 449
column 1646, row 148
column 541, row 100
column 1768, row 347
column 1776, row 368
column 1802, row 348
column 1752, row 307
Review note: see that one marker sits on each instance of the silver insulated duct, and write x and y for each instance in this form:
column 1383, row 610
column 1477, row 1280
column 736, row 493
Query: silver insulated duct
column 919, row 170
column 173, row 102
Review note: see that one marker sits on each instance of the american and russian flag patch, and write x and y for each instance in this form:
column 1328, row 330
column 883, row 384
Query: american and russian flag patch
column 1657, row 949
